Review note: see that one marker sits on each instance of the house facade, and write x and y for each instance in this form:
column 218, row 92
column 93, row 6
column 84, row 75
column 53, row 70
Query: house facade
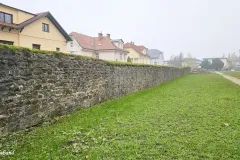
column 192, row 62
column 156, row 57
column 137, row 54
column 39, row 31
column 101, row 47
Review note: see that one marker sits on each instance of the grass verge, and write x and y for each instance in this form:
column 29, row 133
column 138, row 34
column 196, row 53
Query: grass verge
column 233, row 74
column 194, row 117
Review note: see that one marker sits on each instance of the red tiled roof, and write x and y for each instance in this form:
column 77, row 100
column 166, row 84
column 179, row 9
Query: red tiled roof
column 94, row 43
column 141, row 48
column 128, row 45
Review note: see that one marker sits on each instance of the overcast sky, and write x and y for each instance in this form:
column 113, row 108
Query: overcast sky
column 204, row 28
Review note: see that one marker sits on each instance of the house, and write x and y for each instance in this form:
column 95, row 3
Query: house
column 39, row 31
column 166, row 63
column 224, row 60
column 236, row 63
column 156, row 57
column 192, row 62
column 99, row 47
column 137, row 54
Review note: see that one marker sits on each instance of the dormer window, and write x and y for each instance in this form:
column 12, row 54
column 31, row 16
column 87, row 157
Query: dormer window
column 5, row 17
column 120, row 45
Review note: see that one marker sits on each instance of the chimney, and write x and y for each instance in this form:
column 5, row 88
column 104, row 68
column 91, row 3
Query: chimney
column 100, row 35
column 108, row 35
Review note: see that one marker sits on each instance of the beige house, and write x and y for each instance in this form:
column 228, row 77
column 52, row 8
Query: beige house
column 102, row 47
column 137, row 54
column 39, row 31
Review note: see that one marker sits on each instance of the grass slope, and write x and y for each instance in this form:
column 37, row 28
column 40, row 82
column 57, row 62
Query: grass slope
column 194, row 117
column 234, row 74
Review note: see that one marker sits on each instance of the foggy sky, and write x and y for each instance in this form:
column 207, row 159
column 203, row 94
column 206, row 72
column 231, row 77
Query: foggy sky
column 204, row 28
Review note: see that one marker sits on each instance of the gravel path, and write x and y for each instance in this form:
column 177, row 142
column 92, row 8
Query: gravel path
column 233, row 79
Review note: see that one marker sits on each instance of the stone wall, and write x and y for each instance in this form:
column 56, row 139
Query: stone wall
column 35, row 86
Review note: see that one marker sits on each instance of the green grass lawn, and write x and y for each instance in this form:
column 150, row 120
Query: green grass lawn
column 232, row 73
column 194, row 117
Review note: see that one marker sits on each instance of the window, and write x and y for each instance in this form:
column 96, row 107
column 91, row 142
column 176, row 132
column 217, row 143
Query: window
column 6, row 42
column 72, row 52
column 36, row 46
column 120, row 56
column 71, row 44
column 97, row 55
column 57, row 49
column 1, row 17
column 45, row 27
column 120, row 45
column 5, row 17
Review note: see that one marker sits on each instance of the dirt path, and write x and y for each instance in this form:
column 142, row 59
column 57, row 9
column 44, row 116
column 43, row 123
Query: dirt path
column 233, row 79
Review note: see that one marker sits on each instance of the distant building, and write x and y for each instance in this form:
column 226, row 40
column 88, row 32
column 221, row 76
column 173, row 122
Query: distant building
column 156, row 57
column 166, row 63
column 38, row 31
column 192, row 62
column 99, row 47
column 236, row 63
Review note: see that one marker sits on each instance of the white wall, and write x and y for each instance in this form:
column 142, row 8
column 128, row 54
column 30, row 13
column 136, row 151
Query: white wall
column 118, row 56
column 106, row 55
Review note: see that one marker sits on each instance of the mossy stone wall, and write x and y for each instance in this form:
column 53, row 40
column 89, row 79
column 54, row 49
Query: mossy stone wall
column 36, row 85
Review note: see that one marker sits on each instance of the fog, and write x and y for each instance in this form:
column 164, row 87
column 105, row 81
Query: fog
column 203, row 28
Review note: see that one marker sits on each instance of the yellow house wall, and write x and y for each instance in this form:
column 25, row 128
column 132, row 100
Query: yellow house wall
column 132, row 53
column 33, row 34
column 18, row 16
column 22, row 16
column 146, row 60
column 9, row 36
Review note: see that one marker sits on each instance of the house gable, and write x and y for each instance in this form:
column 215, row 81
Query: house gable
column 73, row 46
column 35, row 30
